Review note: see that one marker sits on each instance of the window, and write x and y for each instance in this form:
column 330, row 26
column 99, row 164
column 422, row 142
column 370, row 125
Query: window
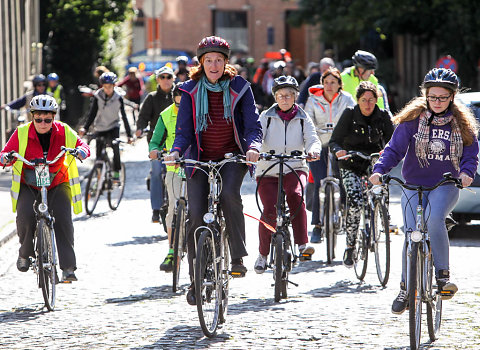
column 232, row 26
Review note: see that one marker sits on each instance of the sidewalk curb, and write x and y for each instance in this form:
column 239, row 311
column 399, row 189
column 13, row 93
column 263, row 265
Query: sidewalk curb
column 8, row 237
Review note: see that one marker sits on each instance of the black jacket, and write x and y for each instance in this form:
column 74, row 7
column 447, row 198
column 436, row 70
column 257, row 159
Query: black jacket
column 354, row 133
column 154, row 104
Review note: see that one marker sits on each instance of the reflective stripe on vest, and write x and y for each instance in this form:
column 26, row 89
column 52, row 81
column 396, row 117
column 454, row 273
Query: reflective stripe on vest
column 56, row 94
column 22, row 133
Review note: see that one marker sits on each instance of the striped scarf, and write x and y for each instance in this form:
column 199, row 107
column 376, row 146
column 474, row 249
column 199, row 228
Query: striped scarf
column 422, row 138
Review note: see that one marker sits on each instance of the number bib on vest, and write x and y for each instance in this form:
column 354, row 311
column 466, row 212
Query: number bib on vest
column 43, row 175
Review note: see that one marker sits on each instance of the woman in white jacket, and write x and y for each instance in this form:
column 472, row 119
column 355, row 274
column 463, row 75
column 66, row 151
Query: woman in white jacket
column 286, row 128
column 325, row 105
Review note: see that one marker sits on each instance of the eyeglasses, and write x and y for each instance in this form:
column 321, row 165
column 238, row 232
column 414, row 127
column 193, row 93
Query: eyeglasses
column 284, row 97
column 41, row 84
column 438, row 98
column 370, row 100
column 39, row 120
column 166, row 77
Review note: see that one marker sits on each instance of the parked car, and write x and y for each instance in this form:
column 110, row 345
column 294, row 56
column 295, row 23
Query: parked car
column 468, row 205
column 153, row 62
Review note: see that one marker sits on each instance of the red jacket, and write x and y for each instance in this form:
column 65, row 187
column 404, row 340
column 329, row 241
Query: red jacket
column 34, row 150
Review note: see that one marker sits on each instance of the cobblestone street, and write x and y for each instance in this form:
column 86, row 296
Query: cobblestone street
column 123, row 301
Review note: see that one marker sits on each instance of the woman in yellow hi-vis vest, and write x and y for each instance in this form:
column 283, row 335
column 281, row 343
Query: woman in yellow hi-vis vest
column 44, row 137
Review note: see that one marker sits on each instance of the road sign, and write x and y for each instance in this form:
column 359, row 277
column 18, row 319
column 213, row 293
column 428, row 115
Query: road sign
column 447, row 62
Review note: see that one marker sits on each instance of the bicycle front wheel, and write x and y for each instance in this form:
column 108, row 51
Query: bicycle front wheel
column 178, row 242
column 206, row 284
column 47, row 272
column 329, row 221
column 434, row 304
column 116, row 189
column 381, row 236
column 94, row 188
column 278, row 270
column 225, row 278
column 360, row 260
column 415, row 296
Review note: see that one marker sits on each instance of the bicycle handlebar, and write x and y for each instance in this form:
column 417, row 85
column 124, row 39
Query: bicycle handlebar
column 358, row 154
column 447, row 177
column 38, row 161
column 297, row 155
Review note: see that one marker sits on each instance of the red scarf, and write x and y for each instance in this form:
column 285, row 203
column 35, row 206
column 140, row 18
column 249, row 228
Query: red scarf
column 290, row 114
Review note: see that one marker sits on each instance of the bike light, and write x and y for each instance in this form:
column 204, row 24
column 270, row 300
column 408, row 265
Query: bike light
column 377, row 189
column 42, row 208
column 208, row 218
column 336, row 195
column 416, row 236
column 322, row 196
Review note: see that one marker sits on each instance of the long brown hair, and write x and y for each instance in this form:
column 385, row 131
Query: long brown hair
column 466, row 121
column 197, row 71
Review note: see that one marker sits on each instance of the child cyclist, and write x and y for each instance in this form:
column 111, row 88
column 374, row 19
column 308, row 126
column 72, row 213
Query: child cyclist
column 163, row 136
column 436, row 135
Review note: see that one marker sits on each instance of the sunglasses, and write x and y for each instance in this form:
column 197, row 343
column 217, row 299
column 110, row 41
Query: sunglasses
column 166, row 77
column 39, row 120
column 41, row 84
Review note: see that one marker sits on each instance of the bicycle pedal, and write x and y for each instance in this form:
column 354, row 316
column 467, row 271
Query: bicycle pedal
column 65, row 282
column 237, row 274
column 305, row 257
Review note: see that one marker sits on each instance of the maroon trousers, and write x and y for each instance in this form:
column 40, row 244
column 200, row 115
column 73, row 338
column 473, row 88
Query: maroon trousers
column 267, row 189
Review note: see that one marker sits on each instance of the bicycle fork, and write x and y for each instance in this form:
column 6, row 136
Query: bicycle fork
column 334, row 182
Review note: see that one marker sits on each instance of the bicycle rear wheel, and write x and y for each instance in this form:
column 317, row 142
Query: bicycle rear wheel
column 329, row 220
column 206, row 286
column 415, row 296
column 178, row 242
column 116, row 189
column 47, row 272
column 381, row 237
column 278, row 271
column 94, row 188
column 434, row 304
column 360, row 260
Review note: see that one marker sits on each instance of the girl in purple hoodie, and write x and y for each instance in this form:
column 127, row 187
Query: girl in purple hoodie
column 435, row 135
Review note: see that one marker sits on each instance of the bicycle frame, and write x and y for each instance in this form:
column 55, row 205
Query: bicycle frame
column 330, row 179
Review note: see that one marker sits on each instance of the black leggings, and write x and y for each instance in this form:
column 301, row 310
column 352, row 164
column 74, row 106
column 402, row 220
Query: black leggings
column 110, row 135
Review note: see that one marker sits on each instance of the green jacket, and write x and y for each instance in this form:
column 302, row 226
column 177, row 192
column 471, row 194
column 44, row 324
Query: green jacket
column 164, row 133
column 351, row 81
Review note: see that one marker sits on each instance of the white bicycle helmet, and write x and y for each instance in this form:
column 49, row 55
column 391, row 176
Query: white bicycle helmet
column 43, row 103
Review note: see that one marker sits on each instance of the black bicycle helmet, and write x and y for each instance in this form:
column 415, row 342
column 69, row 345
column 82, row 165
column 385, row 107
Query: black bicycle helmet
column 365, row 60
column 176, row 90
column 43, row 103
column 108, row 78
column 284, row 82
column 37, row 79
column 441, row 77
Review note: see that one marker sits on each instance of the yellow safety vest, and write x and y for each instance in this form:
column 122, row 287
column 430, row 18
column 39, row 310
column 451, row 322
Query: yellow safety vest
column 69, row 162
column 56, row 93
column 351, row 81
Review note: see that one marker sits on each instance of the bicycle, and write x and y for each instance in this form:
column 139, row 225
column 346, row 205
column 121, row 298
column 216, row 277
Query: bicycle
column 20, row 117
column 212, row 274
column 281, row 248
column 374, row 226
column 179, row 225
column 419, row 280
column 100, row 179
column 45, row 262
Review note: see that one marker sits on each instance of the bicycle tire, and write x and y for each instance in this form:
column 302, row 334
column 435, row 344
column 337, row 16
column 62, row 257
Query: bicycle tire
column 206, row 286
column 361, row 250
column 434, row 305
column 93, row 189
column 278, row 266
column 328, row 219
column 115, row 191
column 46, row 264
column 225, row 278
column 415, row 296
column 178, row 234
column 381, row 235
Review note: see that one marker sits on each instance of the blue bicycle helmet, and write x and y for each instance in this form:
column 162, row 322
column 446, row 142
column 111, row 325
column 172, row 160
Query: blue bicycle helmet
column 441, row 77
column 284, row 82
column 108, row 78
column 365, row 60
column 43, row 103
column 37, row 79
column 52, row 77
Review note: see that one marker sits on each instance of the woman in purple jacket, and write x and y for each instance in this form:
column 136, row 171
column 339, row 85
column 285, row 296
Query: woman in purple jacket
column 436, row 135
column 217, row 115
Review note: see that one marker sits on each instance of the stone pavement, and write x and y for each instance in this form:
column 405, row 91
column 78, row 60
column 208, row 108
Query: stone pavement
column 123, row 301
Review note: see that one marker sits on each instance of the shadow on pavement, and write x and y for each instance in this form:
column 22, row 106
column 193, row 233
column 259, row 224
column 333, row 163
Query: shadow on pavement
column 182, row 337
column 94, row 215
column 342, row 287
column 150, row 293
column 465, row 236
column 140, row 240
column 315, row 266
column 257, row 305
column 424, row 346
column 21, row 314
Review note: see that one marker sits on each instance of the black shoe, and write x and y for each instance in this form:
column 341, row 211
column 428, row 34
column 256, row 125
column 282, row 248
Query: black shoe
column 191, row 299
column 23, row 264
column 348, row 258
column 446, row 288
column 167, row 264
column 156, row 215
column 69, row 275
column 400, row 304
column 238, row 269
column 317, row 235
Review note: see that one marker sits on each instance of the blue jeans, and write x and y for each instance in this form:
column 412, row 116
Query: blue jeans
column 436, row 205
column 319, row 172
column 156, row 184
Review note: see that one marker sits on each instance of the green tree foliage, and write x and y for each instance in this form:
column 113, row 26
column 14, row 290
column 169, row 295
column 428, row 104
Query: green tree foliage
column 452, row 24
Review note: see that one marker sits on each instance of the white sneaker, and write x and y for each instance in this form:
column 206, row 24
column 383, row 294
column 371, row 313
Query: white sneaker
column 260, row 264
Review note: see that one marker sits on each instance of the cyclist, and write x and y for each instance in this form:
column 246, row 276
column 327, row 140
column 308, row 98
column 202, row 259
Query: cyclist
column 314, row 79
column 363, row 69
column 149, row 115
column 163, row 136
column 134, row 84
column 39, row 87
column 103, row 114
column 55, row 89
column 286, row 128
column 44, row 137
column 325, row 106
column 181, row 73
column 435, row 135
column 365, row 128
column 217, row 115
